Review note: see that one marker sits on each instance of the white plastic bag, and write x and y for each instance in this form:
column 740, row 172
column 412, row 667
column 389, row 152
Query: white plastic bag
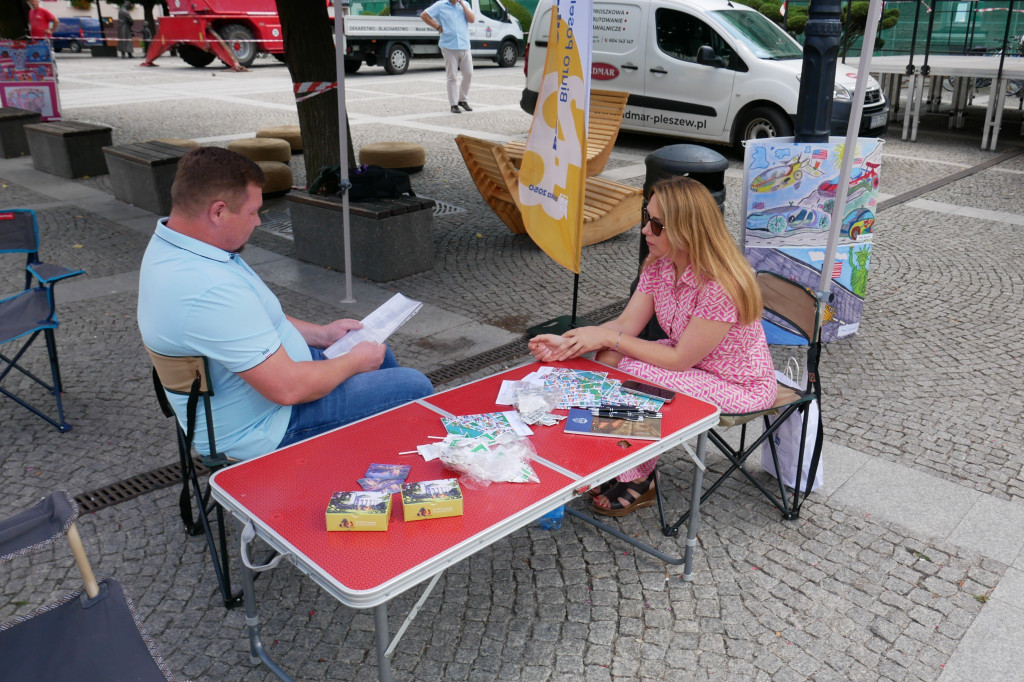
column 787, row 445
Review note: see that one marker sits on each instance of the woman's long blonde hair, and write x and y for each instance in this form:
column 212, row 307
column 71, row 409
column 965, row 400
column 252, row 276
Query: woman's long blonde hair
column 694, row 223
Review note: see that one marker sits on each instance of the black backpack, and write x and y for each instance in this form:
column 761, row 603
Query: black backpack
column 374, row 182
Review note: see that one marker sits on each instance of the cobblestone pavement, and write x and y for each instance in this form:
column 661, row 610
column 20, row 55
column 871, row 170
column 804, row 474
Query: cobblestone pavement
column 931, row 384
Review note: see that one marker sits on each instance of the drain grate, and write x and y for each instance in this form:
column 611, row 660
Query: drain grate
column 444, row 208
column 136, row 486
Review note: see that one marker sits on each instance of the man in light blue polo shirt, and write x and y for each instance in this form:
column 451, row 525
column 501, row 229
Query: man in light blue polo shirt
column 451, row 18
column 197, row 296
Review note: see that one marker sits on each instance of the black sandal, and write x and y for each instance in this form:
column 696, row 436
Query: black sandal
column 603, row 488
column 642, row 493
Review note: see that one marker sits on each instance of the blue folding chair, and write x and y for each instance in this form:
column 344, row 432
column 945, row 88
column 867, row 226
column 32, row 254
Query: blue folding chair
column 30, row 312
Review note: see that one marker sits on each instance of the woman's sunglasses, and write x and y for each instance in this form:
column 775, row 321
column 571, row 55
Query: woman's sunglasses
column 656, row 225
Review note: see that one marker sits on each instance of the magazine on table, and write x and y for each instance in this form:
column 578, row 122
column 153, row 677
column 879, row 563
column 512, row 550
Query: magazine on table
column 378, row 325
column 586, row 422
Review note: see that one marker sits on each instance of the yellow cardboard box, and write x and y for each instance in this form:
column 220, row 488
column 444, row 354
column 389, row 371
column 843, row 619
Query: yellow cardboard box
column 431, row 499
column 359, row 510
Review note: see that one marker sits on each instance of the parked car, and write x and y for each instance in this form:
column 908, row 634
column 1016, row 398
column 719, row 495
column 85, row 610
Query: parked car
column 74, row 33
column 710, row 70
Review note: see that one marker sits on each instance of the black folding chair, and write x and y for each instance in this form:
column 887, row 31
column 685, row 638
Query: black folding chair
column 793, row 311
column 93, row 633
column 191, row 376
column 30, row 312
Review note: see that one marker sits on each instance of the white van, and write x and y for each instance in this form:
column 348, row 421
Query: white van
column 707, row 70
column 390, row 33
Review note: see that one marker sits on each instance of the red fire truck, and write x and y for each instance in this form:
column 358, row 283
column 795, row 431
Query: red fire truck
column 234, row 31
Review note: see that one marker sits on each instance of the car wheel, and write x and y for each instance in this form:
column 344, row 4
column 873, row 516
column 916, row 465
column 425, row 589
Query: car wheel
column 397, row 61
column 240, row 42
column 761, row 122
column 75, row 46
column 193, row 56
column 854, row 233
column 508, row 54
column 352, row 65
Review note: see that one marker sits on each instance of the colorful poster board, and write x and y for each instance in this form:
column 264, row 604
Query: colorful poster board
column 28, row 79
column 790, row 195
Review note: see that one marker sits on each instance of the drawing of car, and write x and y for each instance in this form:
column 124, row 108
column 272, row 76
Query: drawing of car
column 858, row 222
column 807, row 218
column 861, row 179
column 780, row 219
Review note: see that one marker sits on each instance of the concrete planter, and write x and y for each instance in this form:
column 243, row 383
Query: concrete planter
column 142, row 174
column 70, row 149
column 391, row 238
column 13, row 141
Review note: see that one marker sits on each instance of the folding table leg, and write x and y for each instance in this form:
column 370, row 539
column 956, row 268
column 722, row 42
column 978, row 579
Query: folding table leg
column 380, row 623
column 257, row 652
column 695, row 491
column 669, row 531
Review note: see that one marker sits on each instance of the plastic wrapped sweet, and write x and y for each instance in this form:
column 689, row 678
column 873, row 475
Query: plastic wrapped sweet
column 481, row 461
column 535, row 403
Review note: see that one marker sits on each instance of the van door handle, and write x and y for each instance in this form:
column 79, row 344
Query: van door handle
column 630, row 67
column 659, row 70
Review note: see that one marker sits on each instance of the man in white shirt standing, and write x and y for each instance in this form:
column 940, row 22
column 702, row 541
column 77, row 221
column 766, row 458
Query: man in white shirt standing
column 451, row 18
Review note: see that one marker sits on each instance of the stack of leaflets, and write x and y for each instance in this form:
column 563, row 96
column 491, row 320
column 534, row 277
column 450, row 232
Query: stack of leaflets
column 384, row 478
column 378, row 325
column 476, row 425
column 581, row 388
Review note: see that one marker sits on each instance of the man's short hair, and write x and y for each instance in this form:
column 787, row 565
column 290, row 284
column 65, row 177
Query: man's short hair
column 210, row 174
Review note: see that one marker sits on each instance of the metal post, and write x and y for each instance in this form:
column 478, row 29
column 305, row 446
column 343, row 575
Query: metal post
column 818, row 77
column 339, row 60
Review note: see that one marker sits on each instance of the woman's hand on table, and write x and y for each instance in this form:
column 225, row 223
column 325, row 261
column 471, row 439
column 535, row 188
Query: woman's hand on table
column 547, row 347
column 586, row 339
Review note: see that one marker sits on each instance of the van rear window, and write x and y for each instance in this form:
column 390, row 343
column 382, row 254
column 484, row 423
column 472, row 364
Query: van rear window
column 765, row 39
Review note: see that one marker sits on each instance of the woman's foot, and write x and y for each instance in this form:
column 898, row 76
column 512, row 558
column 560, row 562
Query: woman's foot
column 625, row 497
column 602, row 489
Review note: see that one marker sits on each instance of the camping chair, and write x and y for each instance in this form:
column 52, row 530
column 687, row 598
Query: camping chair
column 609, row 207
column 606, row 110
column 93, row 633
column 191, row 376
column 32, row 311
column 791, row 312
column 792, row 317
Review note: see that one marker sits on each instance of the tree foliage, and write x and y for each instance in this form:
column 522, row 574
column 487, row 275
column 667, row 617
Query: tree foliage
column 795, row 19
column 520, row 13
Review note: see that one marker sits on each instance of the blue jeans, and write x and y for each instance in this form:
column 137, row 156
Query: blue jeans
column 357, row 397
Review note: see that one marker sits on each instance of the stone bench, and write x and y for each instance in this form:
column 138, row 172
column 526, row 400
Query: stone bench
column 70, row 149
column 391, row 238
column 12, row 130
column 141, row 174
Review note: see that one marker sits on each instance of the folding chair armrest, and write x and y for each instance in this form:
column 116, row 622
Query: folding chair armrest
column 47, row 273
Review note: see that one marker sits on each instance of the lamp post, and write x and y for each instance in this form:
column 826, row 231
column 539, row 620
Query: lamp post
column 818, row 77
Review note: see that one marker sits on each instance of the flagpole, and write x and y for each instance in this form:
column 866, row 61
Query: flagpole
column 575, row 296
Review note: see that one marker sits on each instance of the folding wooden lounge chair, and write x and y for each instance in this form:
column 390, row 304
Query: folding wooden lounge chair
column 191, row 376
column 606, row 110
column 609, row 208
column 792, row 314
column 31, row 311
column 91, row 634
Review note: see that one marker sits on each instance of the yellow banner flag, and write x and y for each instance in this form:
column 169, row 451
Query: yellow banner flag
column 553, row 173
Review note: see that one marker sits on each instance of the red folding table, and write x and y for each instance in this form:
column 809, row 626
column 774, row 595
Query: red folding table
column 281, row 498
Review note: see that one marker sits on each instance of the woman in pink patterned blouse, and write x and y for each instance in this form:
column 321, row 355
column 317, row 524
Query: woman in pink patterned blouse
column 704, row 294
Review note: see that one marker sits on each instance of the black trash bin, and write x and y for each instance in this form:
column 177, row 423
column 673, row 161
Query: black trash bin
column 704, row 165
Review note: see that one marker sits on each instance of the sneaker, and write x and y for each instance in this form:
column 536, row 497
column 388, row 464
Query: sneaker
column 465, row 105
column 455, row 109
